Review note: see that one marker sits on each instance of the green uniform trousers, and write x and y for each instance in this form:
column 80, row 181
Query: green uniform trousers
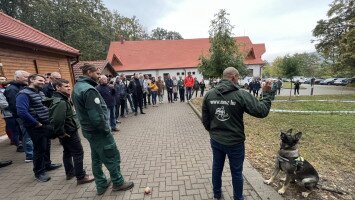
column 104, row 151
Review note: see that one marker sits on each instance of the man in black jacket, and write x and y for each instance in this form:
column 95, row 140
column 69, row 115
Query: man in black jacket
column 121, row 95
column 108, row 94
column 65, row 124
column 169, row 87
column 48, row 88
column 135, row 87
column 35, row 117
column 20, row 81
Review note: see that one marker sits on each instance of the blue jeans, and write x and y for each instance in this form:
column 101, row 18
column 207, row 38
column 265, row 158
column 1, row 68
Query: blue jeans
column 112, row 117
column 188, row 93
column 154, row 97
column 26, row 140
column 11, row 125
column 235, row 155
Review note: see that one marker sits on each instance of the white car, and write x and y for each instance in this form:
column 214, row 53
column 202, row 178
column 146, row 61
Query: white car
column 300, row 79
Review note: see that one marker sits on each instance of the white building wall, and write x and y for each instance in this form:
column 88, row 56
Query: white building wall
column 256, row 70
column 173, row 72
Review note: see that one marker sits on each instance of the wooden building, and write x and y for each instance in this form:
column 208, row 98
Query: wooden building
column 103, row 66
column 24, row 48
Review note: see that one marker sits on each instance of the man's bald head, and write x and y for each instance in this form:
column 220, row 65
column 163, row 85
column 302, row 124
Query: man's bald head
column 231, row 74
column 55, row 76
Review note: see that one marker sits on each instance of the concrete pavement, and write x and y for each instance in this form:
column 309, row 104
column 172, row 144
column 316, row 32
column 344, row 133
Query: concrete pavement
column 167, row 149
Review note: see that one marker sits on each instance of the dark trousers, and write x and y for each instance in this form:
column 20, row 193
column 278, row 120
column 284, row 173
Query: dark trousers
column 170, row 95
column 73, row 155
column 175, row 96
column 120, row 106
column 194, row 92
column 15, row 132
column 145, row 99
column 256, row 93
column 297, row 90
column 154, row 97
column 41, row 148
column 149, row 95
column 188, row 93
column 138, row 102
column 235, row 155
column 279, row 90
column 202, row 91
column 182, row 94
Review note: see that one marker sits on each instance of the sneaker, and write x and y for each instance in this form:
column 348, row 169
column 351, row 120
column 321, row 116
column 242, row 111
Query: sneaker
column 28, row 160
column 123, row 187
column 87, row 179
column 53, row 167
column 43, row 178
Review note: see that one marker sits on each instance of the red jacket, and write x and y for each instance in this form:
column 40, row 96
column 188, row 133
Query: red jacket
column 189, row 81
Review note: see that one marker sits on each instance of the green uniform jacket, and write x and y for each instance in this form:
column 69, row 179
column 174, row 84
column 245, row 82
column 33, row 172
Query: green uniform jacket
column 90, row 107
column 62, row 115
column 223, row 108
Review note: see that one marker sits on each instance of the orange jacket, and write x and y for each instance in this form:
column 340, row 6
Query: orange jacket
column 189, row 81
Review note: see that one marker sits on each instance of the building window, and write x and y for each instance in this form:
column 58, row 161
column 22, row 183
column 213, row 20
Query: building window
column 193, row 73
column 178, row 74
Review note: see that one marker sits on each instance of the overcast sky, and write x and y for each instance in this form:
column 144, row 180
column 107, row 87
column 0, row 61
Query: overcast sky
column 285, row 26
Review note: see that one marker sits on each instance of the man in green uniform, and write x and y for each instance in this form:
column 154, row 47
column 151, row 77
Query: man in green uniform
column 222, row 116
column 93, row 116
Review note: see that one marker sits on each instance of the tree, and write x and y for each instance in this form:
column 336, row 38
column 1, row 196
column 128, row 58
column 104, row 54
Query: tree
column 128, row 28
column 224, row 50
column 335, row 36
column 163, row 34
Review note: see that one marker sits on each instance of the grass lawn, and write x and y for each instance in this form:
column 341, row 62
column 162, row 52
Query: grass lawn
column 328, row 142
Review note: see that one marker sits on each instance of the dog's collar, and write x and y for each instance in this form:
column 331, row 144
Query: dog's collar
column 289, row 153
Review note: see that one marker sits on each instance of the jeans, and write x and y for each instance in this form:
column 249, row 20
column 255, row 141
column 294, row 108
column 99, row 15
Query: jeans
column 145, row 99
column 235, row 155
column 41, row 148
column 297, row 90
column 26, row 140
column 154, row 97
column 73, row 155
column 149, row 96
column 129, row 100
column 120, row 106
column 182, row 94
column 11, row 126
column 112, row 118
column 188, row 93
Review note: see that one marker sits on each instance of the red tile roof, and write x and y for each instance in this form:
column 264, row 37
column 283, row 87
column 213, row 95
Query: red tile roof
column 100, row 65
column 168, row 54
column 13, row 29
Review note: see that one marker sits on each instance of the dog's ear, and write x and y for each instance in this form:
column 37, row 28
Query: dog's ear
column 289, row 131
column 283, row 135
column 298, row 135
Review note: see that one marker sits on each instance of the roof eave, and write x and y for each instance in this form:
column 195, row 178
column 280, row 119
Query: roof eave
column 22, row 43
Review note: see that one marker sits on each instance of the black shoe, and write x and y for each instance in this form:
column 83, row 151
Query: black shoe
column 70, row 176
column 20, row 149
column 53, row 167
column 5, row 163
column 143, row 113
column 135, row 114
column 43, row 178
column 123, row 187
column 115, row 129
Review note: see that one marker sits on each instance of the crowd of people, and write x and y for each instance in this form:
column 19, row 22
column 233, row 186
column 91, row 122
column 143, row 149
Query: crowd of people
column 38, row 108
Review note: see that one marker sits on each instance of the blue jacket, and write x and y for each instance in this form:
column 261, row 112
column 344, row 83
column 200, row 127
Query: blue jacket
column 108, row 94
column 169, row 84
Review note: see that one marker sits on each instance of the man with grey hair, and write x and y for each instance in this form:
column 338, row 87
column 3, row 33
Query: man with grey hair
column 222, row 116
column 48, row 88
column 20, row 132
column 107, row 92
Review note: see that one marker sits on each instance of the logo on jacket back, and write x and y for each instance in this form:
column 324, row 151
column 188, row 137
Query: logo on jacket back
column 221, row 114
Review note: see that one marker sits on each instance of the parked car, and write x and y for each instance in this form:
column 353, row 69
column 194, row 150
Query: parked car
column 318, row 80
column 285, row 80
column 328, row 81
column 341, row 81
column 301, row 79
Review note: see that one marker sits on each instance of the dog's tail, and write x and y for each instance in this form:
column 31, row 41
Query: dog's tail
column 334, row 190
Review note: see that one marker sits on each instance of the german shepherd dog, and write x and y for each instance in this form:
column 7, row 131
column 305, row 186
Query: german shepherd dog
column 295, row 167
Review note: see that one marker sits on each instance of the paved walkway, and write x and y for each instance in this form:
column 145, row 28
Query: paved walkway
column 167, row 149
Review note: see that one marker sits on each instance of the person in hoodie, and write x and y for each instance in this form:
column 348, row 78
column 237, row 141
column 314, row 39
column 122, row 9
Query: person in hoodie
column 222, row 116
